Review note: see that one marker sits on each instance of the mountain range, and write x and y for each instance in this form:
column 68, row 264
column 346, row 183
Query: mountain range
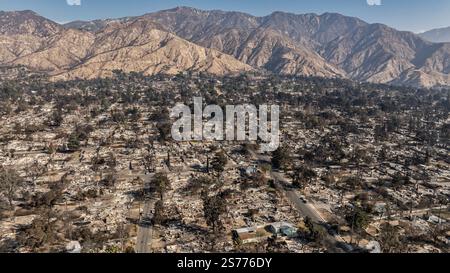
column 438, row 35
column 217, row 42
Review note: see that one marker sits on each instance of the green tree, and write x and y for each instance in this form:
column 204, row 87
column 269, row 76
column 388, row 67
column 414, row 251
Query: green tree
column 301, row 175
column 213, row 208
column 164, row 131
column 159, row 215
column 280, row 158
column 161, row 183
column 199, row 183
column 358, row 219
column 73, row 143
column 315, row 232
column 219, row 162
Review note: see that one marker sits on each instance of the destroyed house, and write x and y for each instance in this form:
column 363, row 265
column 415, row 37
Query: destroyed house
column 251, row 234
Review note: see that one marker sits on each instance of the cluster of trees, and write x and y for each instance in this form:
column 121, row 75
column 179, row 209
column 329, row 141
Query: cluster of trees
column 42, row 230
column 213, row 208
column 302, row 176
column 314, row 232
column 219, row 162
column 161, row 184
column 342, row 104
column 281, row 158
column 81, row 133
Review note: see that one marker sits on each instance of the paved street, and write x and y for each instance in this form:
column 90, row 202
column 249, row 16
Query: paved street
column 334, row 243
column 304, row 209
column 145, row 229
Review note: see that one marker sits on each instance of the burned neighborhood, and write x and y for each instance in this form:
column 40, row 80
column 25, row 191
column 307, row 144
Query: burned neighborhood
column 89, row 166
column 232, row 134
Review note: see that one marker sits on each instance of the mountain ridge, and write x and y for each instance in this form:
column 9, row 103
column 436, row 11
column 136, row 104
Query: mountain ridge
column 134, row 46
column 327, row 45
column 437, row 35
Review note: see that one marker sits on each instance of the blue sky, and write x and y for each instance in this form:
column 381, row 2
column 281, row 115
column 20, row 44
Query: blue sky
column 413, row 15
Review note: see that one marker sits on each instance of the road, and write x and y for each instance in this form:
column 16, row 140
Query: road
column 334, row 243
column 294, row 198
column 145, row 229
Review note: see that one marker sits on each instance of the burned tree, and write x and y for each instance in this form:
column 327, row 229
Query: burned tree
column 10, row 184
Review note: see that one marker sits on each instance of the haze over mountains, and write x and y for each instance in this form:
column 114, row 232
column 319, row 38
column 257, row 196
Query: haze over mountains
column 438, row 35
column 217, row 42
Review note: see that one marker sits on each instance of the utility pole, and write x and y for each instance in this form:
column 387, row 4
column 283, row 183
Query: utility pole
column 168, row 159
column 143, row 199
column 410, row 210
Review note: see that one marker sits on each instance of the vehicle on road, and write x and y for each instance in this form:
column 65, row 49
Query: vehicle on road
column 303, row 199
